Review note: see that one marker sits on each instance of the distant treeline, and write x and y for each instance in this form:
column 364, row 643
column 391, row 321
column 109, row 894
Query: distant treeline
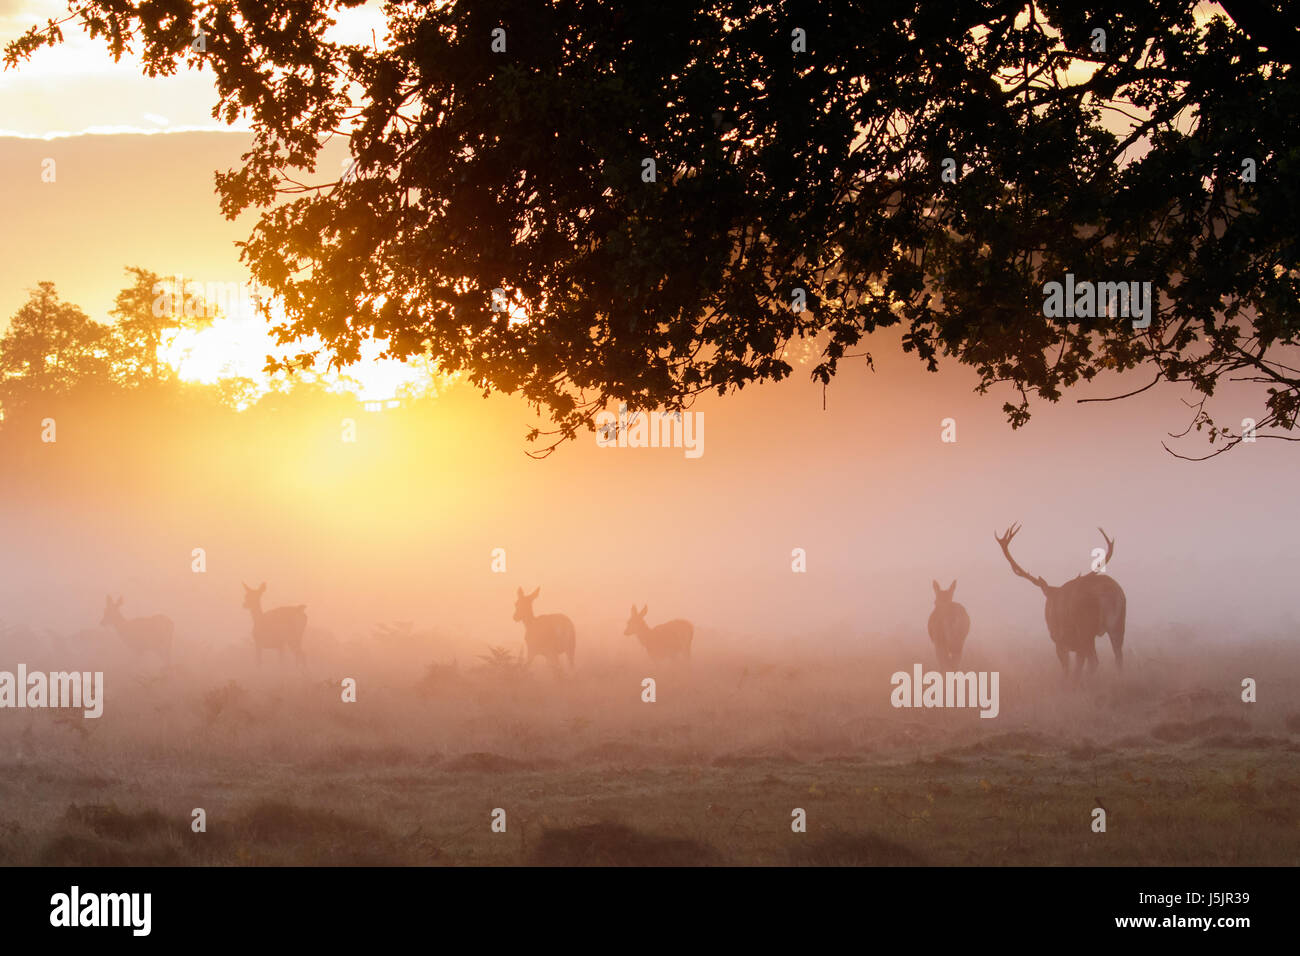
column 90, row 403
column 52, row 353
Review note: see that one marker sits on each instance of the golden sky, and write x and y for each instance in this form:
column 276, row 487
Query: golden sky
column 134, row 158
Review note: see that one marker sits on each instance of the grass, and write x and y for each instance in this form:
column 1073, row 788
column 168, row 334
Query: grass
column 587, row 774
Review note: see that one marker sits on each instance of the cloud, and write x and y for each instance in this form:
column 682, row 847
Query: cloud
column 33, row 12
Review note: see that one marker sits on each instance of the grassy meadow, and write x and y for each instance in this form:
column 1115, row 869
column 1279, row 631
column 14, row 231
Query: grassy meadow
column 709, row 773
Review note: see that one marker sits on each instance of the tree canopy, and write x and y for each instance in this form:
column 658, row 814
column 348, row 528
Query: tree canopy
column 50, row 348
column 591, row 200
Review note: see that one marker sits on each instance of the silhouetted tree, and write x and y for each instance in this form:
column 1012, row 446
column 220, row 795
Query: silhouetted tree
column 50, row 348
column 673, row 193
column 146, row 312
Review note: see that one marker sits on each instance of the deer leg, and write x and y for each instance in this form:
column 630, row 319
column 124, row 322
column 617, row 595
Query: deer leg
column 1117, row 645
column 1064, row 656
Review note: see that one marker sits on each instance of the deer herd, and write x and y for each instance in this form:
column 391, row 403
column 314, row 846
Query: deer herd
column 1077, row 613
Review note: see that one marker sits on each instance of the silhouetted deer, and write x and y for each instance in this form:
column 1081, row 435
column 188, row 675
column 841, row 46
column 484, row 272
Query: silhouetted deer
column 1079, row 611
column 280, row 628
column 141, row 634
column 547, row 636
column 663, row 641
column 949, row 624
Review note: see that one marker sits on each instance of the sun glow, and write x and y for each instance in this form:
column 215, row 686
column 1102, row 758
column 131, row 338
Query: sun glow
column 236, row 344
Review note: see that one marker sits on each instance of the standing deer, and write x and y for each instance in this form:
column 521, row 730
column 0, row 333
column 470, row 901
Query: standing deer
column 949, row 624
column 663, row 641
column 549, row 635
column 141, row 634
column 280, row 628
column 1079, row 611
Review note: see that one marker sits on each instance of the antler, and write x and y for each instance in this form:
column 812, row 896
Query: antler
column 1005, row 542
column 1110, row 548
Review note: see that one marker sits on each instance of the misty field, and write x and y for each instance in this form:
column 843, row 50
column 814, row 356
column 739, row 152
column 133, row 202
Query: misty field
column 709, row 773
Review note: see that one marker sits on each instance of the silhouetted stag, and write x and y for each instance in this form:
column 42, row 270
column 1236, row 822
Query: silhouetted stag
column 1079, row 611
column 663, row 641
column 547, row 636
column 949, row 624
column 141, row 634
column 279, row 628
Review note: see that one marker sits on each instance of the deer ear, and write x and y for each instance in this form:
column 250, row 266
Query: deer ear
column 952, row 587
column 643, row 610
column 634, row 610
column 536, row 591
column 519, row 592
column 262, row 588
column 935, row 585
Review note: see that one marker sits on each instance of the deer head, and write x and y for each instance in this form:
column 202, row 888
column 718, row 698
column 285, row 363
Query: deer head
column 524, row 603
column 941, row 596
column 636, row 622
column 112, row 611
column 253, row 596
